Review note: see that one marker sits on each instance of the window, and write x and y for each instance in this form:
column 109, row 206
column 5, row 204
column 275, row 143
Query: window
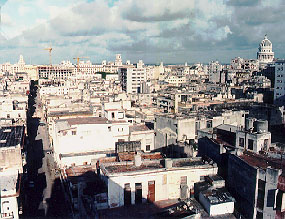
column 73, row 132
column 8, row 116
column 209, row 124
column 183, row 180
column 241, row 142
column 164, row 179
column 113, row 115
column 147, row 147
column 265, row 143
column 250, row 144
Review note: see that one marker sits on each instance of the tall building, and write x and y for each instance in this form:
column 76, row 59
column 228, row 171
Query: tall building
column 132, row 78
column 265, row 54
column 279, row 85
column 118, row 61
column 214, row 70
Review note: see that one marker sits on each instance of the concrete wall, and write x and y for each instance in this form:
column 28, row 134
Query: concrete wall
column 216, row 209
column 146, row 138
column 258, row 139
column 271, row 180
column 167, row 183
column 89, row 138
column 11, row 157
column 10, row 205
column 242, row 184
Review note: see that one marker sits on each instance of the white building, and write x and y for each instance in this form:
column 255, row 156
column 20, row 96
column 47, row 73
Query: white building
column 175, row 80
column 9, row 194
column 279, row 89
column 132, row 78
column 265, row 53
column 141, row 181
column 79, row 140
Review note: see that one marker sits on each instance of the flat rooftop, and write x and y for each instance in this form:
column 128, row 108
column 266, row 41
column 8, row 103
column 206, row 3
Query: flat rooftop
column 226, row 127
column 149, row 165
column 262, row 161
column 218, row 196
column 88, row 120
column 11, row 136
column 139, row 128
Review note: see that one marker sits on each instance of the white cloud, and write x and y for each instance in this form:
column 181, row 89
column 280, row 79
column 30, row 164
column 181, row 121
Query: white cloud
column 129, row 26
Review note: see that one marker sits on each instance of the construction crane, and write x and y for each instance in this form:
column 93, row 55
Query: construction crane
column 49, row 50
column 78, row 59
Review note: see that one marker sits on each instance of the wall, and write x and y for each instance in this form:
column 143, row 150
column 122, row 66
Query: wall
column 11, row 157
column 12, row 205
column 145, row 137
column 167, row 183
column 242, row 184
column 258, row 139
column 216, row 209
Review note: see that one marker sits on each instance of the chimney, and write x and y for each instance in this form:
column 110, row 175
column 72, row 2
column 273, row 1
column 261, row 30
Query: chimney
column 138, row 160
column 168, row 163
column 176, row 104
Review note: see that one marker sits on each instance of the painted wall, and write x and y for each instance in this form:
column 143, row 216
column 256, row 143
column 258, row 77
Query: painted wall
column 167, row 183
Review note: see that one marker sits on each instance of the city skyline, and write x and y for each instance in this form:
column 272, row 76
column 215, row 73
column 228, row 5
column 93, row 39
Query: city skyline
column 191, row 31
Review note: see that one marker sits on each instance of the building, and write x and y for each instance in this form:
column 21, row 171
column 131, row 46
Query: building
column 255, row 181
column 265, row 54
column 214, row 71
column 146, row 180
column 10, row 181
column 214, row 197
column 11, row 163
column 79, row 140
column 55, row 72
column 170, row 128
column 279, row 85
column 132, row 78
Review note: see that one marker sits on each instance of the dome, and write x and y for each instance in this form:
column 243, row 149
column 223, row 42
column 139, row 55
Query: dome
column 265, row 42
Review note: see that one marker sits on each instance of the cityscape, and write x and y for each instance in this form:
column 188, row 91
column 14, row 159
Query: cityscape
column 122, row 137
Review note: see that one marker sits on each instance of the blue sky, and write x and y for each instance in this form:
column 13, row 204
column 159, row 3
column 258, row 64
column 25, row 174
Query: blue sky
column 172, row 31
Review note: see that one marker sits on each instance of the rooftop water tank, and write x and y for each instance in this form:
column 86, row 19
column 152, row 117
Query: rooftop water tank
column 261, row 126
column 249, row 123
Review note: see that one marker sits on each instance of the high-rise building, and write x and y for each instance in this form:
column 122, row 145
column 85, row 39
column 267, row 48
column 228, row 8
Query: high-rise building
column 279, row 86
column 132, row 78
column 265, row 54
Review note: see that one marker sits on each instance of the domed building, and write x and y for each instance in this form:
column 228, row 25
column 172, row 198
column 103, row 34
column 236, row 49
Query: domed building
column 265, row 54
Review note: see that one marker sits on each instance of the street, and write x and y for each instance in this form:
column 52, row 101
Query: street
column 42, row 190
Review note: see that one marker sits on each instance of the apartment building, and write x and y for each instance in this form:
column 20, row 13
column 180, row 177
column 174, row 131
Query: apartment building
column 132, row 78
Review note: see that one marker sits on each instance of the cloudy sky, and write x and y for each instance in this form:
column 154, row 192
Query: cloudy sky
column 172, row 31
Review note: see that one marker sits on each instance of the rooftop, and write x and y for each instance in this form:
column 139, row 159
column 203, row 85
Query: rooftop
column 229, row 128
column 262, row 161
column 87, row 120
column 68, row 113
column 8, row 183
column 11, row 136
column 149, row 165
column 139, row 128
column 218, row 196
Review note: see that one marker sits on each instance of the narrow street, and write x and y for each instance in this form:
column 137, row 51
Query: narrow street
column 42, row 190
